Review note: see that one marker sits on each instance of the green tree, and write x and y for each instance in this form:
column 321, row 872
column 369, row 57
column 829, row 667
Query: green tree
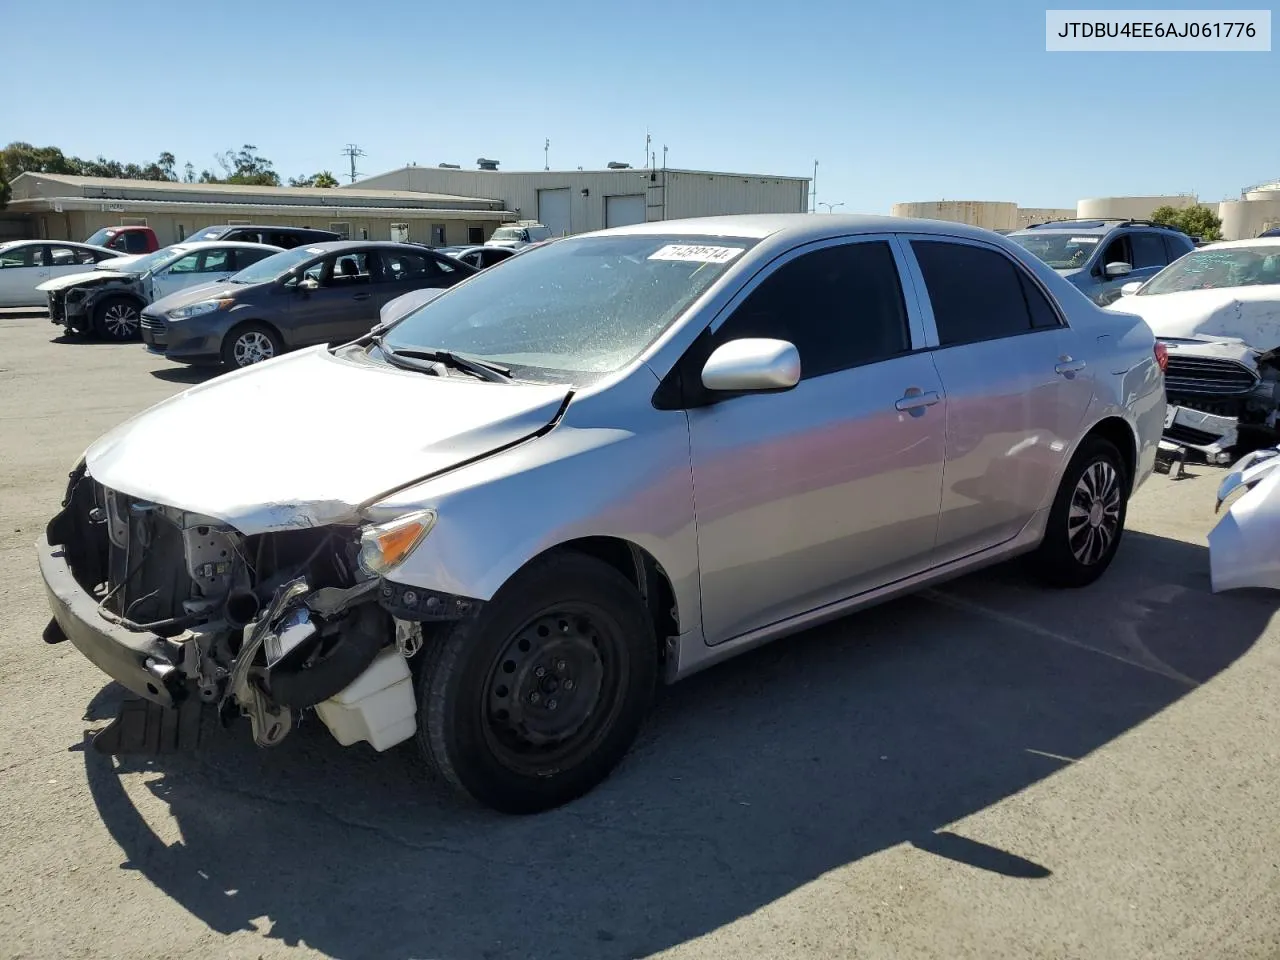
column 243, row 166
column 324, row 179
column 19, row 157
column 5, row 191
column 1197, row 221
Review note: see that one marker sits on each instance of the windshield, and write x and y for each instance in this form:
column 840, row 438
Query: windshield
column 510, row 233
column 275, row 266
column 152, row 261
column 100, row 238
column 574, row 310
column 1210, row 269
column 1062, row 251
column 206, row 233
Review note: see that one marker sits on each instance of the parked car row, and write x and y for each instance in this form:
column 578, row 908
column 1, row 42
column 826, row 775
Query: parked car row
column 500, row 479
column 25, row 264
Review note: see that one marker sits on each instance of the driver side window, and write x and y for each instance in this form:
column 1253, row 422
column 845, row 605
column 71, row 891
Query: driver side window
column 187, row 264
column 840, row 306
column 1118, row 251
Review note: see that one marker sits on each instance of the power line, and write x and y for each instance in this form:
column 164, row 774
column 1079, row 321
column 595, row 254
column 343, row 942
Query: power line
column 352, row 151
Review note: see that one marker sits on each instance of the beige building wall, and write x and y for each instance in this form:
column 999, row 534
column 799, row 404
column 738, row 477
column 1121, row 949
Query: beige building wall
column 173, row 227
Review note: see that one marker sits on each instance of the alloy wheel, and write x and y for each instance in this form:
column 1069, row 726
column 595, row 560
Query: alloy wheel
column 120, row 321
column 252, row 347
column 1093, row 519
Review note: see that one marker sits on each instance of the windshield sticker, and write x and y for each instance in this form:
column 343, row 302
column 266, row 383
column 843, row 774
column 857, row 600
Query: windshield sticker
column 314, row 250
column 1083, row 240
column 691, row 253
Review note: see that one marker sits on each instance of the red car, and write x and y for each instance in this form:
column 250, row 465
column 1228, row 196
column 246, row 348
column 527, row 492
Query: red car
column 126, row 239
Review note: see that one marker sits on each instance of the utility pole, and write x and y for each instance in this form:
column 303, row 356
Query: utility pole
column 647, row 140
column 815, row 187
column 352, row 151
column 546, row 155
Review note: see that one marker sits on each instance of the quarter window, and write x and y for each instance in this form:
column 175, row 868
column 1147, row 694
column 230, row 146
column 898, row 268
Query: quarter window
column 840, row 306
column 215, row 261
column 976, row 294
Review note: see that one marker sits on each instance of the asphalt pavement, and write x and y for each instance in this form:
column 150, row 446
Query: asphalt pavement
column 986, row 770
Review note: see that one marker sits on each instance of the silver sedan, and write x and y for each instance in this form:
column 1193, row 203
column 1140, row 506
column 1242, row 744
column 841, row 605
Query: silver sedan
column 617, row 460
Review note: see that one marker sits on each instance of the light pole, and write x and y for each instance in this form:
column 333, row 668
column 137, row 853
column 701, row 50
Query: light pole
column 830, row 206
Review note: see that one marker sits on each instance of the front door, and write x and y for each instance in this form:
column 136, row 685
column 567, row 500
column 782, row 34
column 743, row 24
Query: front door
column 1016, row 389
column 344, row 294
column 810, row 496
column 212, row 265
column 22, row 269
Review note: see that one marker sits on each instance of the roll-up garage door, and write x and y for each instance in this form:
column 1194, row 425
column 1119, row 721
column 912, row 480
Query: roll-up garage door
column 620, row 211
column 553, row 210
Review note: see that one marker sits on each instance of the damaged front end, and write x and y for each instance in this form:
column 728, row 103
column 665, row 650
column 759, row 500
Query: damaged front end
column 1244, row 547
column 175, row 605
column 1224, row 398
column 73, row 300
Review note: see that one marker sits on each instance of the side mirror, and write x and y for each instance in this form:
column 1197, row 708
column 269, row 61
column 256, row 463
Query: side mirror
column 752, row 365
column 1130, row 288
column 1119, row 269
column 308, row 284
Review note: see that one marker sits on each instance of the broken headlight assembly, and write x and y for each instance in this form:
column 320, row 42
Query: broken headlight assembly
column 201, row 308
column 384, row 545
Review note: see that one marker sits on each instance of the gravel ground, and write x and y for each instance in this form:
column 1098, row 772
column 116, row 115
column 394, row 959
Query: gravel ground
column 986, row 770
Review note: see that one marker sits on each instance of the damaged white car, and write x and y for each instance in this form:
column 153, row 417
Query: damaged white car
column 1217, row 310
column 1244, row 547
column 500, row 520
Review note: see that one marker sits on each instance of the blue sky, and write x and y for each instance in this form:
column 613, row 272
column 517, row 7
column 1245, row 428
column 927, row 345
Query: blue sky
column 898, row 101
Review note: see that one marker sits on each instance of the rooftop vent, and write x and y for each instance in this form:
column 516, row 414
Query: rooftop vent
column 487, row 164
column 619, row 165
column 450, row 166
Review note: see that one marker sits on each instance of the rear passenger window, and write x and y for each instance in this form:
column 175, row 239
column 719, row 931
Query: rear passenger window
column 244, row 257
column 976, row 294
column 841, row 306
column 1148, row 250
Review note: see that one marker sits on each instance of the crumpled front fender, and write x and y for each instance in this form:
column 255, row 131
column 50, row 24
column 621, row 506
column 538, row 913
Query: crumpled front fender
column 1244, row 547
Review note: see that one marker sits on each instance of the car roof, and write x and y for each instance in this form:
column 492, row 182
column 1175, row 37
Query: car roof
column 223, row 244
column 332, row 246
column 57, row 243
column 1237, row 244
column 797, row 227
column 1094, row 225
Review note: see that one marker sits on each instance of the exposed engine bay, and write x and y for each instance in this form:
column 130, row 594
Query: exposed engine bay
column 267, row 625
column 1224, row 397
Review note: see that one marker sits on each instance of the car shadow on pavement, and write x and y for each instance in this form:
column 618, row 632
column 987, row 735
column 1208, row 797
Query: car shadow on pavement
column 186, row 374
column 752, row 779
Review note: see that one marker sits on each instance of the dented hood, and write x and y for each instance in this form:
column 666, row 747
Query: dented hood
column 89, row 276
column 1251, row 314
column 302, row 440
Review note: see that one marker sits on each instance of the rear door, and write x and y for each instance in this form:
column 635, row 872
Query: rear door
column 1016, row 385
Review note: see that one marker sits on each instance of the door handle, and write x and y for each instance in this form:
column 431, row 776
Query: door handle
column 917, row 400
column 1066, row 366
column 361, row 296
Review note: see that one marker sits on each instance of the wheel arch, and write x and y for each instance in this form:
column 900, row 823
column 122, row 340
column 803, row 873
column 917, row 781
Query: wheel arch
column 641, row 568
column 1118, row 432
column 253, row 322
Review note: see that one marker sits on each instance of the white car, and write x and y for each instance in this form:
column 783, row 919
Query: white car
column 519, row 234
column 25, row 264
column 109, row 299
column 1217, row 311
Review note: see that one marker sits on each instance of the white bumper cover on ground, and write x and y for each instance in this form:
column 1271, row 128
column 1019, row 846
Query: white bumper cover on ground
column 1244, row 548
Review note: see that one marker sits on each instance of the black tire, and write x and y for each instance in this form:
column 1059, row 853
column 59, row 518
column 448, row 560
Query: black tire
column 482, row 733
column 250, row 343
column 118, row 319
column 1077, row 548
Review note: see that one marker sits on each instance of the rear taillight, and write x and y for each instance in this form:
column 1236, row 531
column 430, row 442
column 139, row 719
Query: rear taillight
column 1162, row 356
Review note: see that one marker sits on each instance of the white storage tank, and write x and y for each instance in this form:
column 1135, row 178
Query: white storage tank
column 1130, row 208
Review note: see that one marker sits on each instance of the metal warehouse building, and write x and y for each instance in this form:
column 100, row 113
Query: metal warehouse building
column 576, row 201
column 60, row 207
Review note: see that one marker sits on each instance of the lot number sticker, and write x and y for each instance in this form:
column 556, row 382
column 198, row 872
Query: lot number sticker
column 690, row 253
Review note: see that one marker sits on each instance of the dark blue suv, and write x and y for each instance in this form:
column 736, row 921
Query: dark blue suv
column 1101, row 256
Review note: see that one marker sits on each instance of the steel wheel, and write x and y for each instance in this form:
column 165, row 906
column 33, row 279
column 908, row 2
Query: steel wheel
column 1094, row 516
column 554, row 688
column 252, row 346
